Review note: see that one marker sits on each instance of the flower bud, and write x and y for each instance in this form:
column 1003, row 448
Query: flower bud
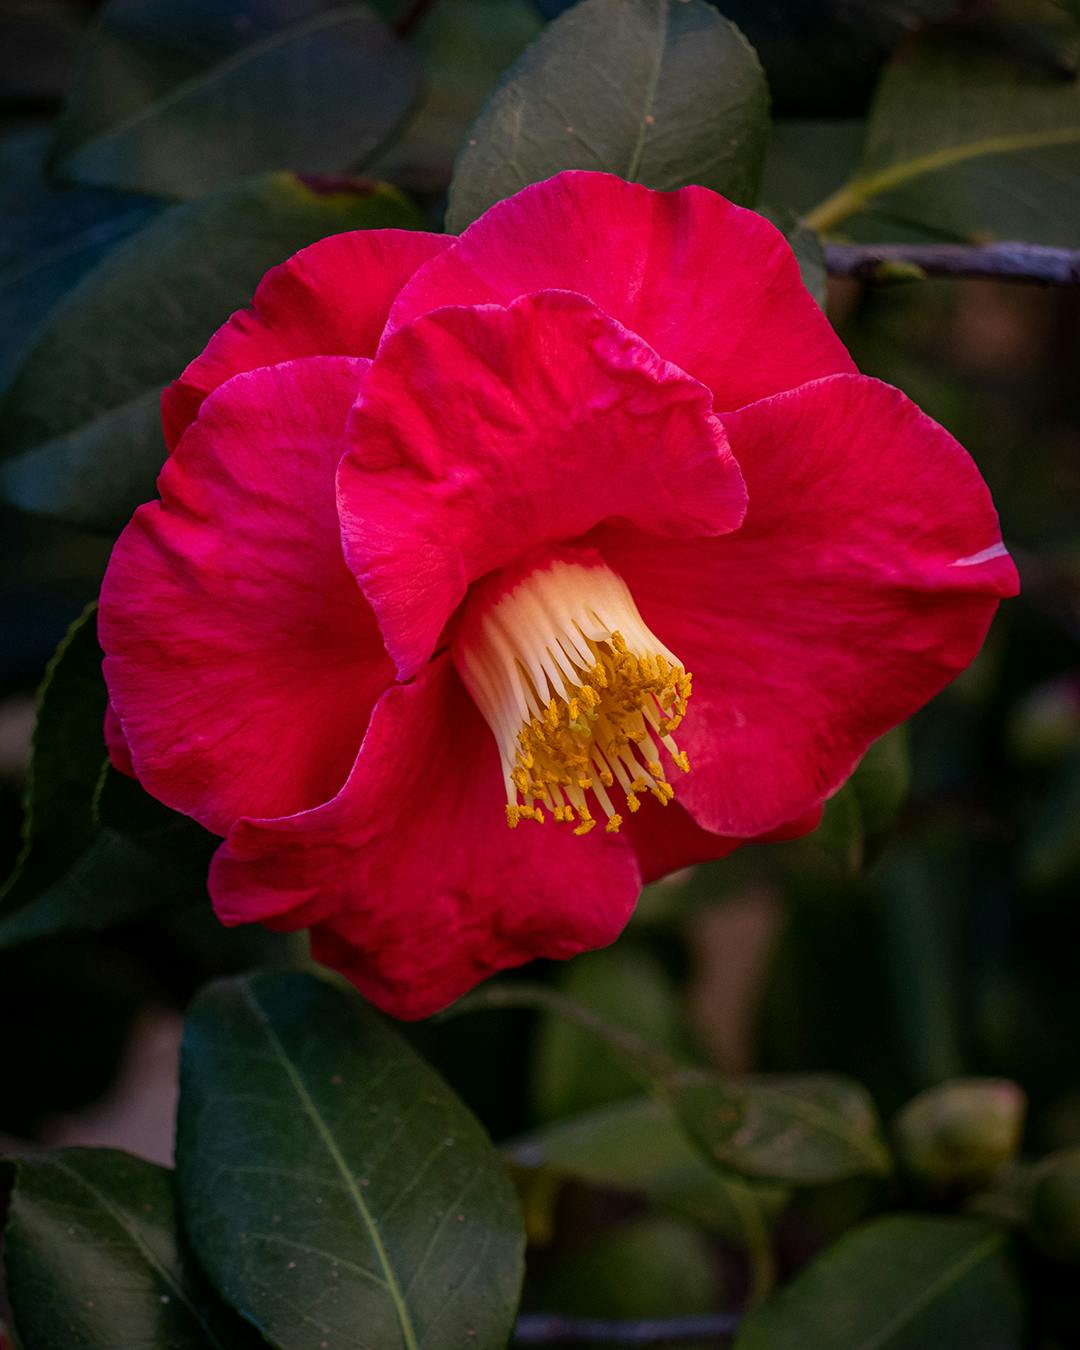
column 958, row 1135
column 1054, row 1214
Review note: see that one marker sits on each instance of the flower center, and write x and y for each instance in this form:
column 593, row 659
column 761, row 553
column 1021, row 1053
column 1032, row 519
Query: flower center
column 578, row 692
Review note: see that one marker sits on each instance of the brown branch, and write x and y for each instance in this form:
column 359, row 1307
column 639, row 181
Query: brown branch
column 1001, row 262
column 551, row 1330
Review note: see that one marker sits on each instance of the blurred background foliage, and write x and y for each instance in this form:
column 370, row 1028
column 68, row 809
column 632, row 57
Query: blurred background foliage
column 151, row 168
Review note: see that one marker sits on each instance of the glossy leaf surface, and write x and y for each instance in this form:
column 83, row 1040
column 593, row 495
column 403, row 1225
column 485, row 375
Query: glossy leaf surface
column 664, row 92
column 333, row 1186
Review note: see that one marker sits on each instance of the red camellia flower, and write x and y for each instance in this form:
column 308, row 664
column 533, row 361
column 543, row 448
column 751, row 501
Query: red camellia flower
column 449, row 525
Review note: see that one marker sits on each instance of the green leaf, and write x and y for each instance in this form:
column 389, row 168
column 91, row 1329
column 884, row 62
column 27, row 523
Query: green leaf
column 900, row 1283
column 804, row 1130
column 95, row 1262
column 639, row 1146
column 333, row 1186
column 93, row 841
column 663, row 92
column 80, row 424
column 571, row 1073
column 177, row 96
column 972, row 136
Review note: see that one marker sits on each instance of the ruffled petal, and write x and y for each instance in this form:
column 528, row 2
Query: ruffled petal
column 330, row 299
column 483, row 433
column 424, row 889
column 713, row 287
column 864, row 578
column 241, row 658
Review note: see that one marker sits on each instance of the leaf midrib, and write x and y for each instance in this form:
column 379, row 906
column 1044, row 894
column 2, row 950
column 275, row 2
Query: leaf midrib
column 330, row 1143
column 638, row 151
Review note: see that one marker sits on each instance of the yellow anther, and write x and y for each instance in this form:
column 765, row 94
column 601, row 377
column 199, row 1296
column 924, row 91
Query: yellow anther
column 612, row 827
column 655, row 768
column 513, row 815
column 633, row 801
column 682, row 760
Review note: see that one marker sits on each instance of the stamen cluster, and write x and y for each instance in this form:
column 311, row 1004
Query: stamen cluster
column 580, row 695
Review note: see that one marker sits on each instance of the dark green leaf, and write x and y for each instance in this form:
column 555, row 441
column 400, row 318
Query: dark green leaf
column 901, row 1283
column 95, row 1262
column 48, row 239
column 973, row 137
column 664, row 92
column 177, row 96
column 80, row 422
column 94, row 842
column 66, row 765
column 332, row 1185
column 802, row 1131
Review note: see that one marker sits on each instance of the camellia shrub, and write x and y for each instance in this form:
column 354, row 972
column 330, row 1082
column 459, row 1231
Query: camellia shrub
column 509, row 561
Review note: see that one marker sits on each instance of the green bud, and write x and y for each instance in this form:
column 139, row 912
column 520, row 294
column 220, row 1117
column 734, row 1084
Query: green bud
column 1054, row 1214
column 957, row 1136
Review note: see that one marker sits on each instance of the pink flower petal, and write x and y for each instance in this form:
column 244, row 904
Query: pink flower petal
column 330, row 299
column 863, row 579
column 424, row 889
column 713, row 287
column 241, row 658
column 484, row 433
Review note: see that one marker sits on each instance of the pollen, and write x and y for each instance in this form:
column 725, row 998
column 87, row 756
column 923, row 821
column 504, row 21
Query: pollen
column 581, row 696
